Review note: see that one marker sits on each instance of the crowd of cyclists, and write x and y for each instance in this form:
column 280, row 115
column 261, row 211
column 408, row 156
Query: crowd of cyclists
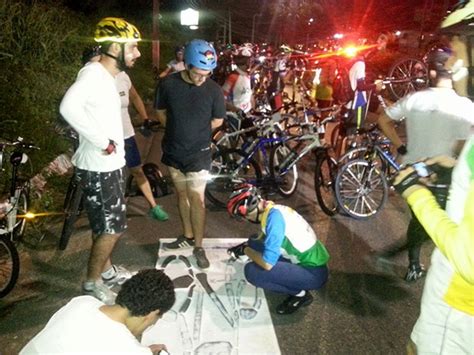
column 203, row 82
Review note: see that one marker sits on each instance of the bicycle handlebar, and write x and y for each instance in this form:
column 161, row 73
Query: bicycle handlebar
column 19, row 143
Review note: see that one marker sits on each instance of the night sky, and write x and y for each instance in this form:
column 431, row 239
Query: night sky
column 285, row 18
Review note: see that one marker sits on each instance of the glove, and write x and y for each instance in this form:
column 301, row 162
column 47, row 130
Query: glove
column 145, row 129
column 442, row 169
column 111, row 148
column 405, row 180
column 237, row 251
column 402, row 150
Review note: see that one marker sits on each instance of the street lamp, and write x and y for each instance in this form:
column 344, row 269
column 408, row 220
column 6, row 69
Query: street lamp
column 190, row 17
column 253, row 27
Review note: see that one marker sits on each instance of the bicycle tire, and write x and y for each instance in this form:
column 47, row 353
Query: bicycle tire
column 414, row 72
column 228, row 169
column 324, row 179
column 22, row 208
column 9, row 265
column 71, row 213
column 360, row 193
column 286, row 183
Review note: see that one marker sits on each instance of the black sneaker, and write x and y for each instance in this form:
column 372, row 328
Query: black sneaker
column 201, row 259
column 180, row 242
column 292, row 303
column 415, row 272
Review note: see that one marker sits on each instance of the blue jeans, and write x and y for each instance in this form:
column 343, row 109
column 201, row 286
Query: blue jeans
column 284, row 277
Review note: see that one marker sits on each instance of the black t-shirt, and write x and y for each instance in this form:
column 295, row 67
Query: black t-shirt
column 189, row 111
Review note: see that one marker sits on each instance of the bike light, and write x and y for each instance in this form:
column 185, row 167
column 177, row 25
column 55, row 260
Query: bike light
column 29, row 215
column 350, row 51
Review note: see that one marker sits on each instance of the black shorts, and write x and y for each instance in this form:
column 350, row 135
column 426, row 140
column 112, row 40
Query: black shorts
column 104, row 200
column 191, row 163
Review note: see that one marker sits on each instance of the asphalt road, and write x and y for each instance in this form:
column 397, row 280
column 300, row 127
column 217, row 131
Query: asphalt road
column 361, row 310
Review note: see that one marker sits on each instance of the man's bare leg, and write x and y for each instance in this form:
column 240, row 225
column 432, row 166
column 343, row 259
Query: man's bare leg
column 179, row 181
column 99, row 259
column 143, row 185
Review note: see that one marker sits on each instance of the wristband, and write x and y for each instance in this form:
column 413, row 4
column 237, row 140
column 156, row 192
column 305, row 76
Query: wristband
column 409, row 180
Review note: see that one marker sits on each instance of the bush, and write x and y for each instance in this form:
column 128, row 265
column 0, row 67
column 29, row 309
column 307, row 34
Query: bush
column 39, row 46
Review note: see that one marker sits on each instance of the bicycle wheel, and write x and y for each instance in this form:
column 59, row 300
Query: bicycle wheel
column 71, row 212
column 286, row 182
column 324, row 178
column 22, row 203
column 407, row 75
column 361, row 189
column 9, row 266
column 228, row 168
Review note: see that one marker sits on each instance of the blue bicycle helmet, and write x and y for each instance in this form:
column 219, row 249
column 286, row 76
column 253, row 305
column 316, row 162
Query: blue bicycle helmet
column 200, row 54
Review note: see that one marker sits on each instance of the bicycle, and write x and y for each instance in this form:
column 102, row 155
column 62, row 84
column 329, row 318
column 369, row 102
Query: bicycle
column 362, row 184
column 13, row 219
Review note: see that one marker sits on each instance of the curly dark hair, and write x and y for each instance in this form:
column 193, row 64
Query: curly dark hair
column 147, row 291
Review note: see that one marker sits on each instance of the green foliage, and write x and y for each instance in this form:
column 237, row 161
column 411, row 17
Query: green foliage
column 39, row 46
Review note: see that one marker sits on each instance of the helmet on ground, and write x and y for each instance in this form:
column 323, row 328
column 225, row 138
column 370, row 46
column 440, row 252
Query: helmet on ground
column 243, row 200
column 200, row 54
column 460, row 18
column 114, row 29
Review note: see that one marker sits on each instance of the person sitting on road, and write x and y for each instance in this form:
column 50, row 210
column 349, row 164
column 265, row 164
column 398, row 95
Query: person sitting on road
column 286, row 257
column 176, row 64
column 87, row 325
column 237, row 89
column 437, row 120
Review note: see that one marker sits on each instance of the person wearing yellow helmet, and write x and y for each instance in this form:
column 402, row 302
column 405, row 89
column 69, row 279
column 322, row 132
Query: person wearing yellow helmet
column 92, row 107
column 119, row 41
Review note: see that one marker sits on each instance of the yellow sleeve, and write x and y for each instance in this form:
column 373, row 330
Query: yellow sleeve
column 455, row 241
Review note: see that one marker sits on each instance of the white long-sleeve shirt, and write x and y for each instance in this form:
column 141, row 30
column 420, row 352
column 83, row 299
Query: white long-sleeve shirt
column 92, row 107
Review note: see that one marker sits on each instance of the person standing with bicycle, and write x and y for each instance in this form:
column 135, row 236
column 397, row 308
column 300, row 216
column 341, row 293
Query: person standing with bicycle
column 190, row 105
column 92, row 107
column 436, row 120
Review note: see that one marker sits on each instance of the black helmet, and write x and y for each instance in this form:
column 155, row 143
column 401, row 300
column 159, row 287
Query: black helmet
column 437, row 60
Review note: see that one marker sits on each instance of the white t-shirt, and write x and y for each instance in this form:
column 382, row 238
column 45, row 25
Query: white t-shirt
column 435, row 119
column 92, row 107
column 238, row 91
column 81, row 328
column 357, row 72
column 124, row 84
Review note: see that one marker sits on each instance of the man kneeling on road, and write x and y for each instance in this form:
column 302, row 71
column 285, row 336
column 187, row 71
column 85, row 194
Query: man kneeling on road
column 87, row 325
column 287, row 257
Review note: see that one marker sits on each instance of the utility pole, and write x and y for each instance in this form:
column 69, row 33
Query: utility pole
column 155, row 49
column 230, row 27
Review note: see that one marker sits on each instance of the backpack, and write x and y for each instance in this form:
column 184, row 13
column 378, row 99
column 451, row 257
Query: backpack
column 342, row 89
column 158, row 183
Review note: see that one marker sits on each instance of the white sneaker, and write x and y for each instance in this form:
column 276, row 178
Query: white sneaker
column 102, row 293
column 121, row 275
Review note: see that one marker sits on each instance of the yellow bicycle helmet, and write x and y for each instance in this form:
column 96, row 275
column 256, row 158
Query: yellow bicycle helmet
column 114, row 29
